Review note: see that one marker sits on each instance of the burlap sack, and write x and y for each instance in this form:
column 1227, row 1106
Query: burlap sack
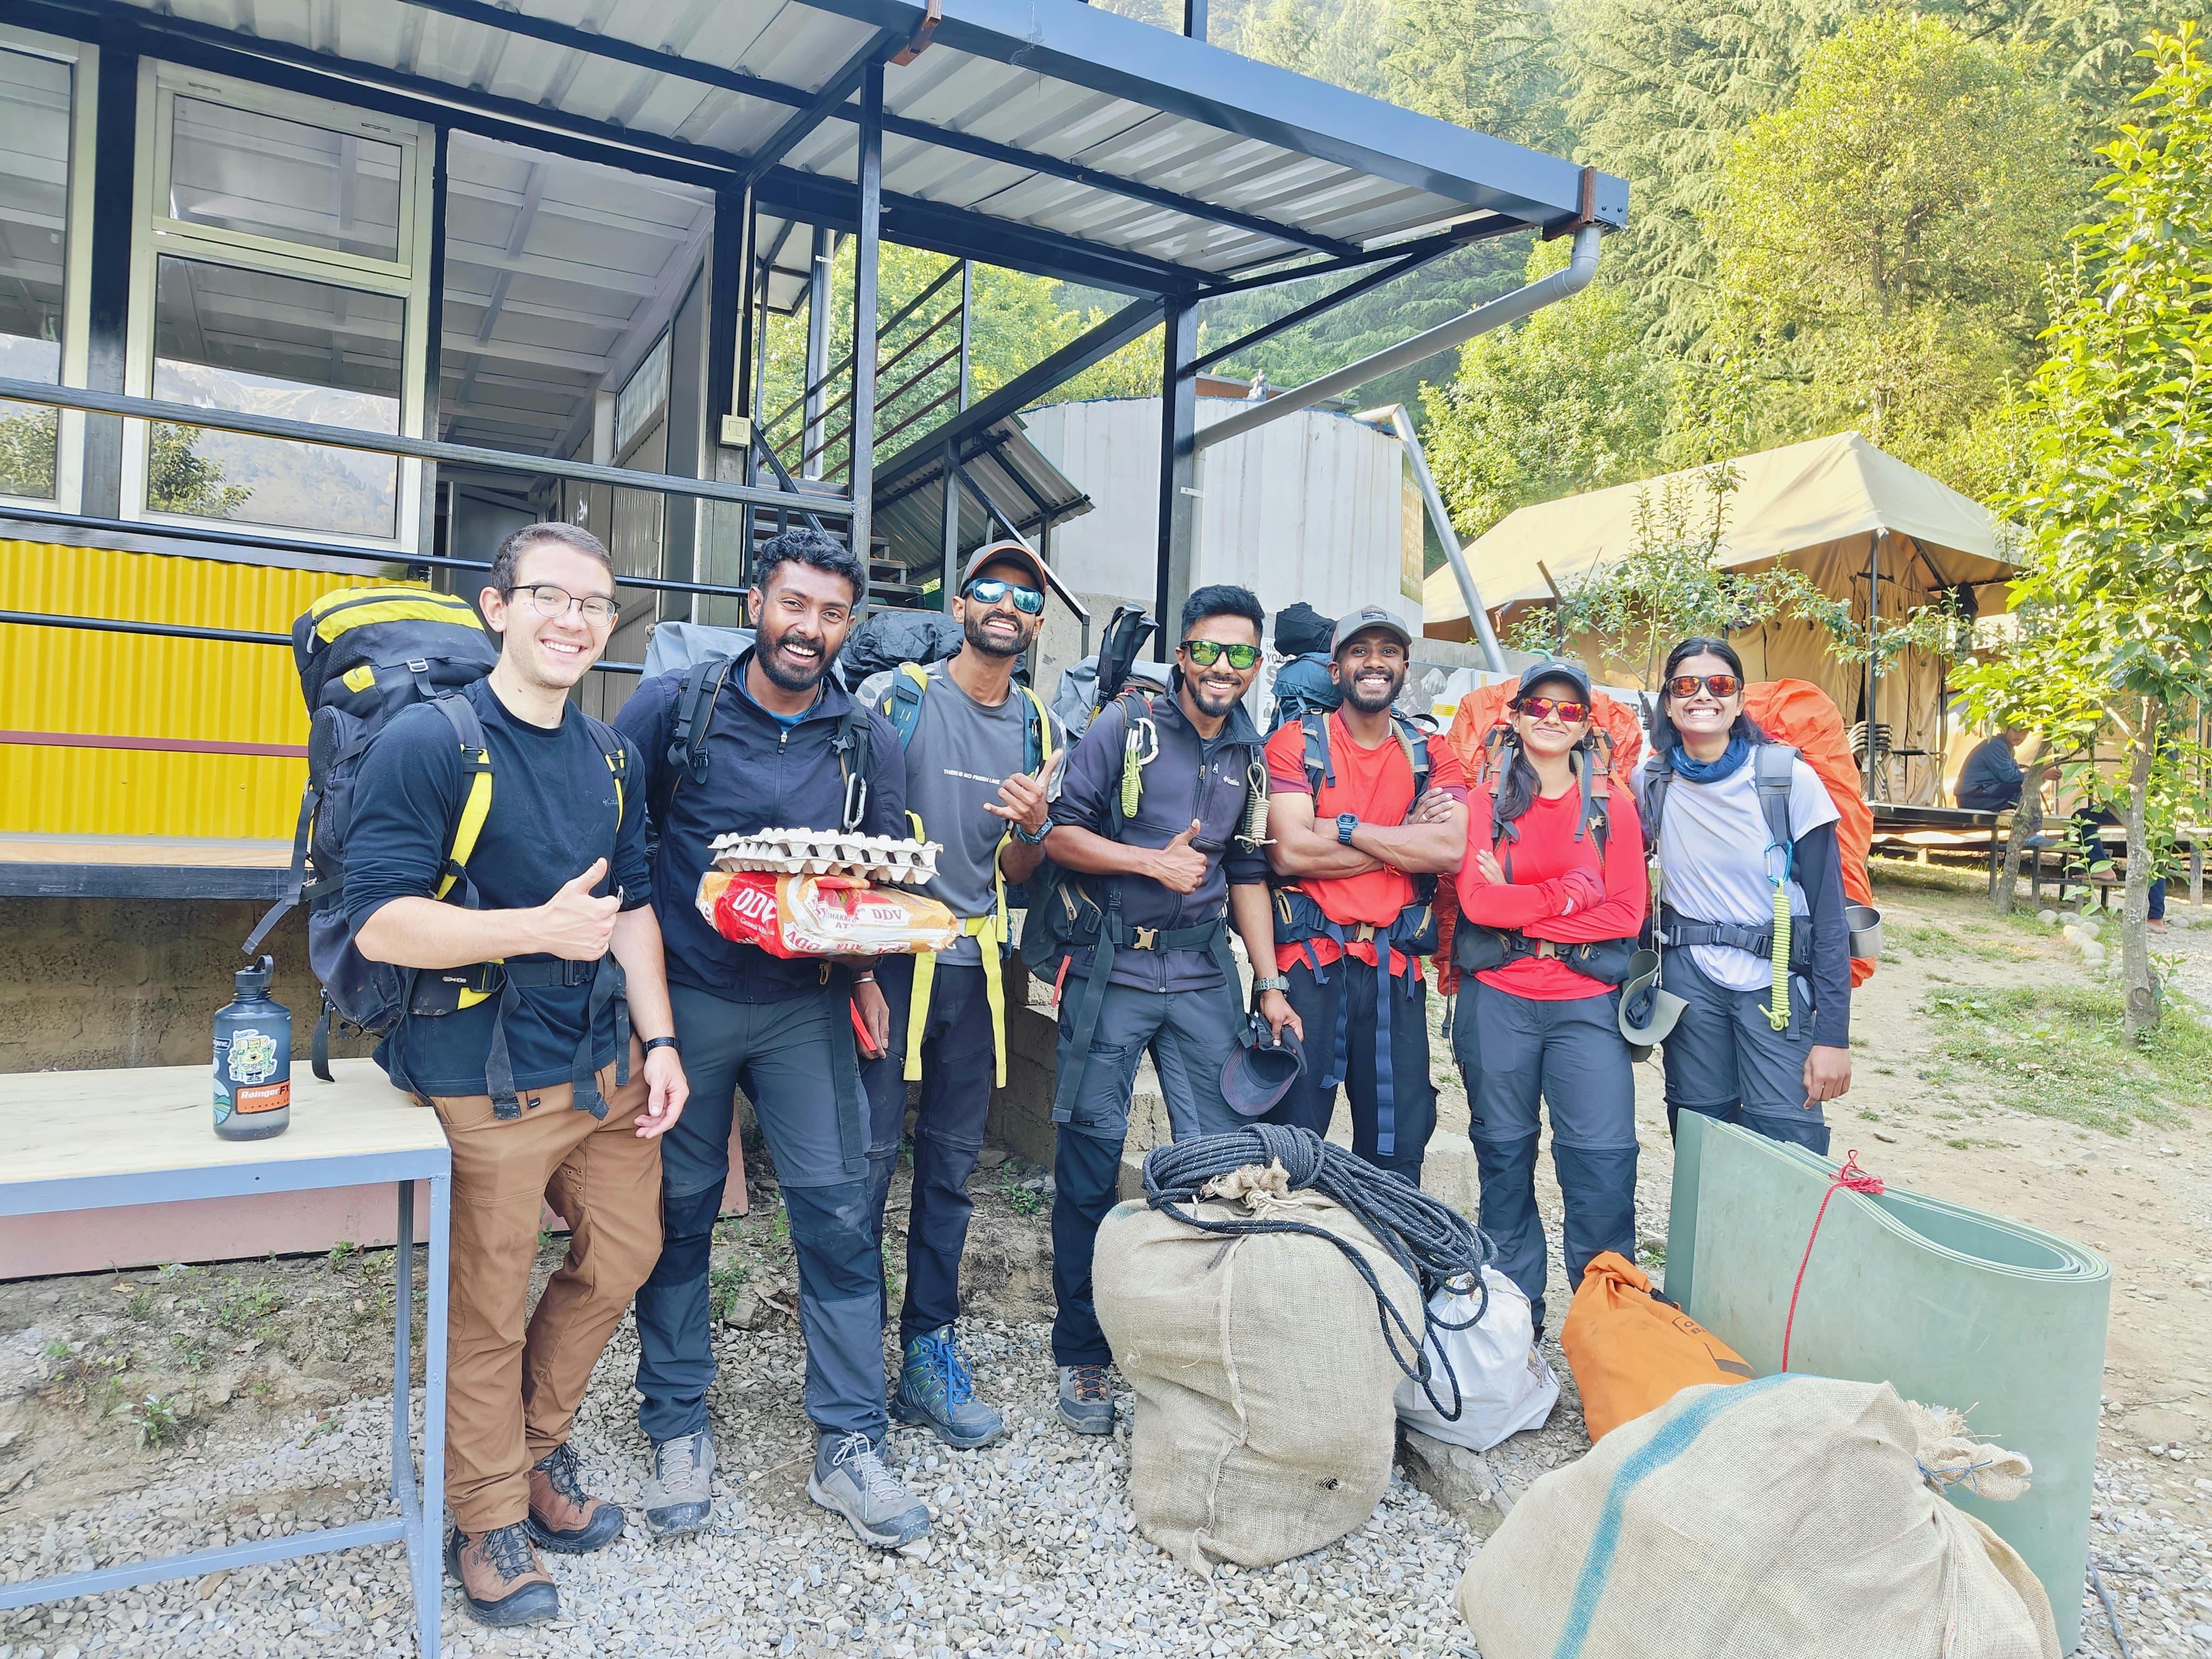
column 1788, row 1515
column 1265, row 1424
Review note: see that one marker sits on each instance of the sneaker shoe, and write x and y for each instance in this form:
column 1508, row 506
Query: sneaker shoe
column 503, row 1581
column 563, row 1517
column 935, row 1389
column 850, row 1479
column 680, row 1491
column 1086, row 1402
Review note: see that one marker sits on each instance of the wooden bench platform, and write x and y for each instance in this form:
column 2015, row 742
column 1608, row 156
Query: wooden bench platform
column 142, row 867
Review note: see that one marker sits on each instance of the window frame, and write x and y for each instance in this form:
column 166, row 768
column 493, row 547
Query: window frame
column 83, row 59
column 156, row 235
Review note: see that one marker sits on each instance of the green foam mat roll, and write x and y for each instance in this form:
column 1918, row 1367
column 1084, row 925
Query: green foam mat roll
column 1952, row 1306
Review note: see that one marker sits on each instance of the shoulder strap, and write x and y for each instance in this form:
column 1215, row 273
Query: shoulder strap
column 617, row 755
column 475, row 806
column 1415, row 742
column 1657, row 774
column 1315, row 727
column 1036, row 732
column 687, row 739
column 903, row 708
column 851, row 744
column 1773, row 764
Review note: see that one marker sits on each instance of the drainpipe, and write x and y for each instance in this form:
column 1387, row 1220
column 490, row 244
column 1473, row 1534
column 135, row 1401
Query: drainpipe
column 1506, row 309
column 1401, row 423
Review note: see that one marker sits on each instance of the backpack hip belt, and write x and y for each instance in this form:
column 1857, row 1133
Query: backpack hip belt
column 1109, row 934
column 1675, row 930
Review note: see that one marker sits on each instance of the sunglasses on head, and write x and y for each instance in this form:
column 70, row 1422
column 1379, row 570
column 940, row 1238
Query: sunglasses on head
column 1721, row 685
column 1537, row 708
column 990, row 590
column 1206, row 653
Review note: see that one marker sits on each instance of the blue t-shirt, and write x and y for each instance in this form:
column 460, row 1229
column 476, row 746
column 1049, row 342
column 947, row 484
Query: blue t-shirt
column 553, row 811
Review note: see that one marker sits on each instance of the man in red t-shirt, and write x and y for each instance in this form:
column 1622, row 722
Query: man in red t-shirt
column 1347, row 846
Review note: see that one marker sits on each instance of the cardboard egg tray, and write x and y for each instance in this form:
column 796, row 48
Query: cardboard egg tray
column 821, row 852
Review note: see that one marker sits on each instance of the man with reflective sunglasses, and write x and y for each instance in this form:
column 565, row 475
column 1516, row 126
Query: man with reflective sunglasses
column 981, row 750
column 1165, row 886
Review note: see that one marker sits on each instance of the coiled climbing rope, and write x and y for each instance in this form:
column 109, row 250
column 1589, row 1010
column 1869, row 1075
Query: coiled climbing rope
column 1778, row 1004
column 1436, row 1245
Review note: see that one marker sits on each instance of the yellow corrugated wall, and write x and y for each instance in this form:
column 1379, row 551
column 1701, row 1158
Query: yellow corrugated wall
column 72, row 680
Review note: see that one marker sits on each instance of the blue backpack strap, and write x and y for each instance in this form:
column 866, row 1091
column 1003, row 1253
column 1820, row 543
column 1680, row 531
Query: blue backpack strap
column 903, row 708
column 1315, row 727
column 1774, row 765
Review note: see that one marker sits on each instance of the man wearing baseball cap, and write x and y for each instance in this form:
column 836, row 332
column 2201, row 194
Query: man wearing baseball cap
column 1365, row 812
column 981, row 750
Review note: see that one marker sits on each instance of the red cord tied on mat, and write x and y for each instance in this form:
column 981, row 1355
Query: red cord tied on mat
column 1852, row 1178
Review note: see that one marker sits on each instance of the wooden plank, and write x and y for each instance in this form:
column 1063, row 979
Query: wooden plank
column 138, row 1121
column 196, row 852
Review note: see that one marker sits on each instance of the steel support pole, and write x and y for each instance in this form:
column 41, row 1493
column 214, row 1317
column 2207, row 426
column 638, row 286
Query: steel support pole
column 1401, row 423
column 115, row 145
column 949, row 570
column 1874, row 611
column 967, row 309
column 866, row 247
column 1178, row 473
column 817, row 348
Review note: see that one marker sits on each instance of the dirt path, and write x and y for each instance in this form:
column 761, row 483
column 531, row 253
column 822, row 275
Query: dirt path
column 151, row 1409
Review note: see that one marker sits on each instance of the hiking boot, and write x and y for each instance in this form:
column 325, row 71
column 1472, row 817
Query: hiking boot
column 681, row 1489
column 935, row 1389
column 1086, row 1402
column 503, row 1581
column 850, row 1479
column 563, row 1517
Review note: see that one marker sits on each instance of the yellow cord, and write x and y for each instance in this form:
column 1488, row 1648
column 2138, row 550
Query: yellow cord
column 1777, row 1009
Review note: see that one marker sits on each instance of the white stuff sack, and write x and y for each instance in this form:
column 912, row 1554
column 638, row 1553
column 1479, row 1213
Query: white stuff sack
column 1504, row 1384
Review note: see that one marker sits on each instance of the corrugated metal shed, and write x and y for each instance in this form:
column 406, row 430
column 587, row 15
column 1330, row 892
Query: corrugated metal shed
column 1313, row 507
column 1129, row 116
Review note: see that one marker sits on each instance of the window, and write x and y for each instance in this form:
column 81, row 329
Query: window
column 282, row 271
column 43, row 136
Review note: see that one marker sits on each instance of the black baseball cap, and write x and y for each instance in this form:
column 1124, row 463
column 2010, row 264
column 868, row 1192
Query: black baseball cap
column 1260, row 1071
column 1554, row 668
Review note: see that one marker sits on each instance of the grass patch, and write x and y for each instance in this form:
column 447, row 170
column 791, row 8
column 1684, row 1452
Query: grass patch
column 2060, row 1052
column 1956, row 939
column 157, row 1417
column 1020, row 1199
column 723, row 1284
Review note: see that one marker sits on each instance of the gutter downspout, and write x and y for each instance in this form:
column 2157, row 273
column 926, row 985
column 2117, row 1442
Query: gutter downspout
column 1401, row 423
column 1506, row 309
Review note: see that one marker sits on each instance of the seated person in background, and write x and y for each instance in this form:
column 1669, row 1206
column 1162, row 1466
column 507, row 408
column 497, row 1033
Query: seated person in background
column 1991, row 780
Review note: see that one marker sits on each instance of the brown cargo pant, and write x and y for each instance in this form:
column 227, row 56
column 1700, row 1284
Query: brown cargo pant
column 511, row 1393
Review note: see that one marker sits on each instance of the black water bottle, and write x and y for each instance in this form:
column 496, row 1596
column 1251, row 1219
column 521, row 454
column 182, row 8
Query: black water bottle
column 252, row 1059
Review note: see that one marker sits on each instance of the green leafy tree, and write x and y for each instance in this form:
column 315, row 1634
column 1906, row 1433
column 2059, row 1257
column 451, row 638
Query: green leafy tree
column 179, row 479
column 26, row 450
column 1881, row 237
column 1568, row 400
column 2116, row 600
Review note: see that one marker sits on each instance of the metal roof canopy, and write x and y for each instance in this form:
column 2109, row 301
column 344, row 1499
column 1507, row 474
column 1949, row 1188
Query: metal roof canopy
column 1043, row 135
column 1004, row 474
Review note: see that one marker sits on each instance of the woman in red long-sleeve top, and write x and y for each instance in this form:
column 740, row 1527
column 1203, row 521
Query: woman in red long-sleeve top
column 1552, row 897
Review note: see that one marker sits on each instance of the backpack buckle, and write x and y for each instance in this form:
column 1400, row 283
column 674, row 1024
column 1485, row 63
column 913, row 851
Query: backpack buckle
column 418, row 665
column 1144, row 939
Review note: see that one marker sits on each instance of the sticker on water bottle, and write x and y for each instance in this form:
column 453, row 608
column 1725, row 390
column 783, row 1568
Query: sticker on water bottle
column 222, row 1106
column 252, row 1058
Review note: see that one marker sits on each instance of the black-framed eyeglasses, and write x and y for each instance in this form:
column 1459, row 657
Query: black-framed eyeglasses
column 1206, row 653
column 990, row 590
column 551, row 601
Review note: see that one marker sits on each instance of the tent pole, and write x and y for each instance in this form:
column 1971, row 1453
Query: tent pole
column 1401, row 423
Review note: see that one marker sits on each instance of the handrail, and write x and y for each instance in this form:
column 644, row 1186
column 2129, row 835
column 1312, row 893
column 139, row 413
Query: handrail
column 845, row 362
column 224, row 636
column 425, row 449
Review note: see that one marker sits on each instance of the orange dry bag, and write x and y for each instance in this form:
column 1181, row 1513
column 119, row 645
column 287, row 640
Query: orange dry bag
column 1631, row 1353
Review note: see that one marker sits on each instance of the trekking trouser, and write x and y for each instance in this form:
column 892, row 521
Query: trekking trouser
column 954, row 1048
column 784, row 1055
column 1087, row 997
column 1725, row 1059
column 515, row 1378
column 1386, row 1075
column 1190, row 1036
column 1567, row 1058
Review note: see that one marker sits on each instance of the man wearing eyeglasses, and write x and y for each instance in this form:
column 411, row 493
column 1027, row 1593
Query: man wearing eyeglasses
column 981, row 750
column 1166, row 878
column 560, row 869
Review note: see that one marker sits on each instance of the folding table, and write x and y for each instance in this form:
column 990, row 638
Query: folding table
column 80, row 1140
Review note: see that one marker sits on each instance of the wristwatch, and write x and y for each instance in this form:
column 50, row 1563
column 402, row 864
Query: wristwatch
column 1023, row 836
column 1265, row 982
column 651, row 1043
column 1346, row 824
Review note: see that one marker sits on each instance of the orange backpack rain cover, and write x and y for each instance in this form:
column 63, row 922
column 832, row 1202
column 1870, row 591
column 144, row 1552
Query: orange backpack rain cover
column 1482, row 711
column 1800, row 714
column 1630, row 1352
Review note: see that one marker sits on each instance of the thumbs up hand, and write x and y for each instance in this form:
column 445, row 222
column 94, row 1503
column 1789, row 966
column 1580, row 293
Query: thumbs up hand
column 1179, row 866
column 572, row 923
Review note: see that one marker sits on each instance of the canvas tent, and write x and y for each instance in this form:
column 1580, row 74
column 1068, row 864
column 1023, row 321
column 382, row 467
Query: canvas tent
column 1832, row 508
